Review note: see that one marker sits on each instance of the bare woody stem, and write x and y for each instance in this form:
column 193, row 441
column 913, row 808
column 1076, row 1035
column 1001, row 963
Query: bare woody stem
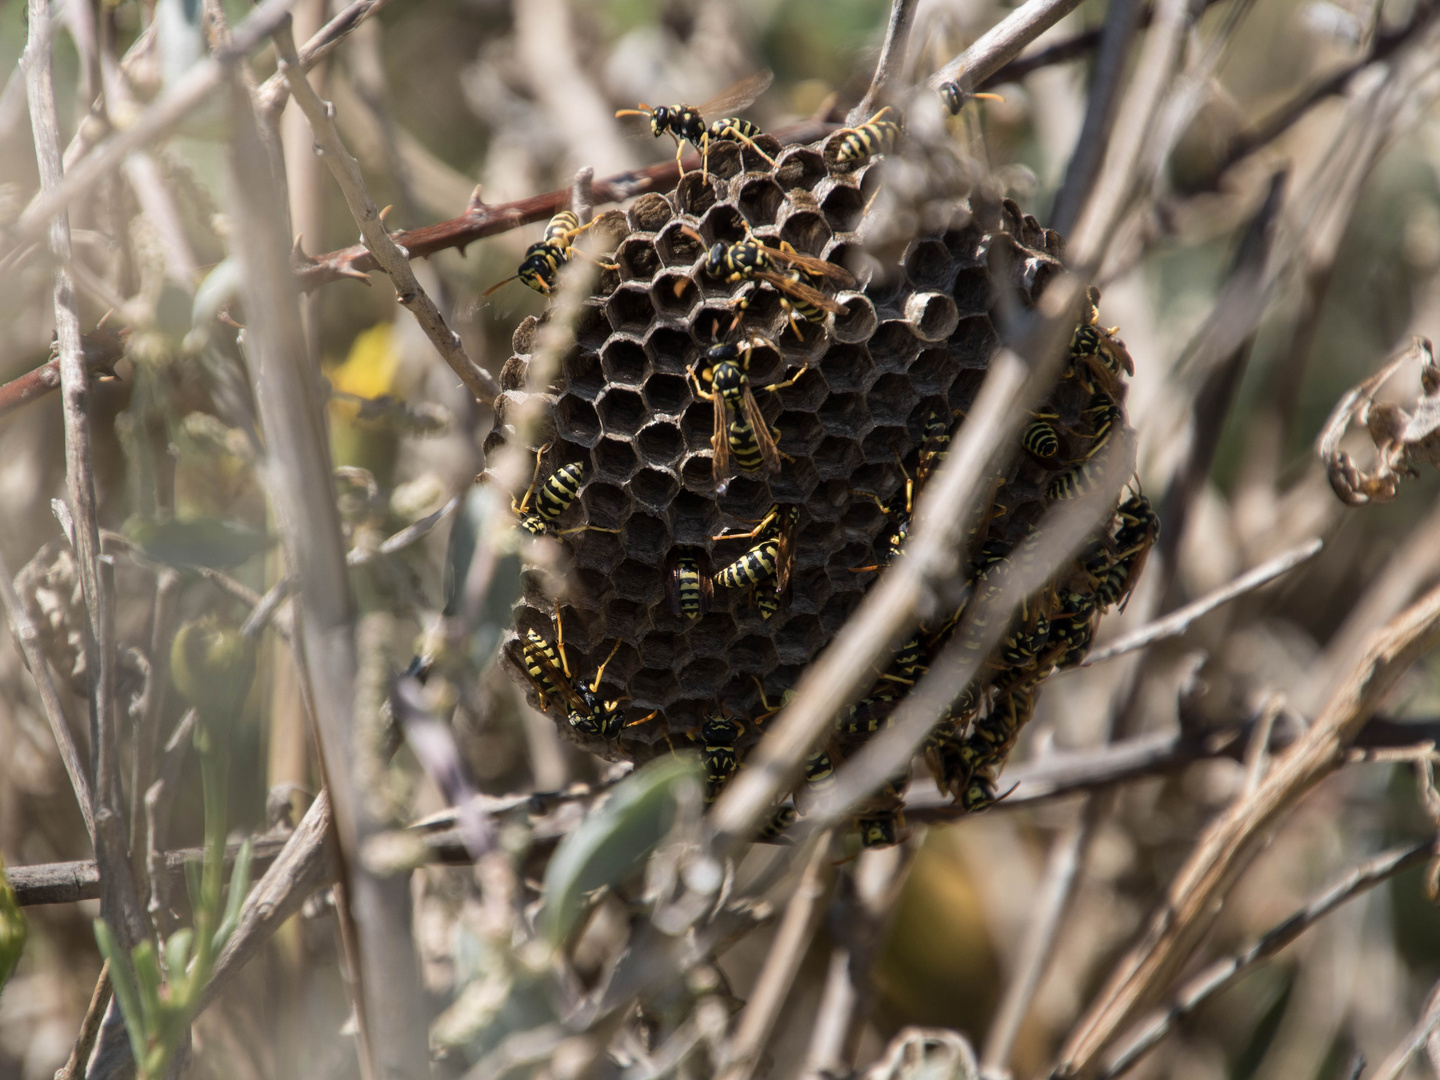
column 392, row 260
column 119, row 903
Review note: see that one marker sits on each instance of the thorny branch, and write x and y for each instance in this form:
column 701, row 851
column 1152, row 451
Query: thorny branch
column 394, row 261
column 120, row 905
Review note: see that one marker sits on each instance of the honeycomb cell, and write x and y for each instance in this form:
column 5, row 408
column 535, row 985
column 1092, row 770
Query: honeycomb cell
column 758, row 199
column 725, row 161
column 629, row 310
column 844, row 414
column 799, row 167
column 723, row 225
column 599, row 554
column 932, row 315
column 705, row 676
column 670, row 350
column 807, row 392
column 667, row 394
column 893, row 345
column 637, row 581
column 623, row 361
column 697, row 425
column 513, row 374
column 695, row 194
column 637, row 258
column 577, row 420
column 661, row 651
column 626, row 620
column 674, row 294
column 973, row 342
column 622, row 412
column 752, row 653
column 973, row 291
column 848, row 368
column 799, row 639
column 583, row 376
column 842, row 207
column 694, row 518
column 882, row 445
column 891, row 400
column 677, row 247
column 927, row 264
column 858, row 322
column 615, row 460
column 933, row 371
column 747, row 499
column 837, row 457
column 712, row 635
column 649, row 213
column 794, row 484
column 654, row 489
column 652, row 688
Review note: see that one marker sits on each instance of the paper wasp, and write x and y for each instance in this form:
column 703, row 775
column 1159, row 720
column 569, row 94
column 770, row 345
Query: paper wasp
column 552, row 498
column 772, row 555
column 881, row 817
column 746, row 438
column 793, row 275
column 955, row 97
column 719, row 756
column 773, row 831
column 687, row 583
column 1139, row 529
column 875, row 136
column 935, row 444
column 548, row 669
column 540, row 268
column 1041, row 438
column 1097, row 356
column 685, row 123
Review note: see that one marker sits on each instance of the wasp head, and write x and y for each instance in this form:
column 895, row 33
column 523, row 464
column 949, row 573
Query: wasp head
column 660, row 118
column 720, row 730
column 715, row 262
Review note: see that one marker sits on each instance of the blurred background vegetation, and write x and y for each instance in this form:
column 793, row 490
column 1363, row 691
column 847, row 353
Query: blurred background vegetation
column 435, row 96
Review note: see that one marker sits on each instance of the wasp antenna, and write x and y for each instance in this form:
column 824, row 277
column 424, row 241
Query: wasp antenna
column 498, row 284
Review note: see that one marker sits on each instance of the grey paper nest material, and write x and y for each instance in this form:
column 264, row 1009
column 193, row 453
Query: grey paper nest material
column 915, row 341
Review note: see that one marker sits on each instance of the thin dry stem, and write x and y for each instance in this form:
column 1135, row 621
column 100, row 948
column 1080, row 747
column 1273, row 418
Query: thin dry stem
column 792, row 939
column 892, row 58
column 89, row 1027
column 1225, row 973
column 120, row 904
column 1003, row 42
column 28, row 637
column 1222, row 853
column 1177, row 622
column 396, row 263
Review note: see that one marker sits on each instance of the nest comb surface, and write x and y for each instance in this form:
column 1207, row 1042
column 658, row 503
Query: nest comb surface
column 916, row 338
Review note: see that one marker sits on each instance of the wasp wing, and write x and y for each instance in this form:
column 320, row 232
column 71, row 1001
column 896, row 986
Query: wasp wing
column 556, row 676
column 818, row 267
column 720, row 444
column 769, row 453
column 736, row 97
column 797, row 290
column 784, row 552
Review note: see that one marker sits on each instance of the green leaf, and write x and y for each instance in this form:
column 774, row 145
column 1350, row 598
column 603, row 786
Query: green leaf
column 13, row 929
column 208, row 542
column 122, row 980
column 614, row 841
column 239, row 886
column 148, row 979
column 177, row 953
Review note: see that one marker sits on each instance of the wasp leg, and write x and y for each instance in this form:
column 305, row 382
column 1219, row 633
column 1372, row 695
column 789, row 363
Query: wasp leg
column 524, row 503
column 790, row 381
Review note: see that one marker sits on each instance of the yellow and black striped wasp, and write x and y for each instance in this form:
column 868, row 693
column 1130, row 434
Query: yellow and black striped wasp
column 686, row 123
column 794, row 276
column 552, row 498
column 540, row 268
column 741, row 433
column 1139, row 529
column 773, row 831
column 771, row 557
column 877, row 135
column 881, row 818
column 548, row 669
column 688, row 586
column 719, row 756
column 1097, row 356
column 934, row 446
column 955, row 97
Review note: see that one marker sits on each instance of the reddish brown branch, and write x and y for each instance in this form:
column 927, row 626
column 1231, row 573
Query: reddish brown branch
column 103, row 348
column 479, row 220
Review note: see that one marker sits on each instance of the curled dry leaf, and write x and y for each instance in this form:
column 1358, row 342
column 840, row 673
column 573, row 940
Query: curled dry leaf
column 1402, row 439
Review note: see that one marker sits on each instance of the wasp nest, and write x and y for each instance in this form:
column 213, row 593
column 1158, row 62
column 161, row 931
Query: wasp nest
column 901, row 363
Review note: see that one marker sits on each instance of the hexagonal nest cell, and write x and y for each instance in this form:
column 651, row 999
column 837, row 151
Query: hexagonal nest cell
column 869, row 398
